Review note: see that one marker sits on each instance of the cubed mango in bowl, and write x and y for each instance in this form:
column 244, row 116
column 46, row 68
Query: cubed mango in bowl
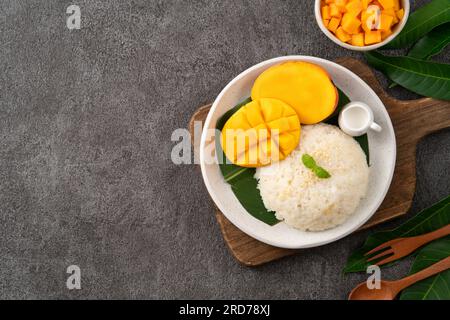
column 361, row 22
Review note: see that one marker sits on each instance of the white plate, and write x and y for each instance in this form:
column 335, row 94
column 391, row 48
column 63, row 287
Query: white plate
column 382, row 159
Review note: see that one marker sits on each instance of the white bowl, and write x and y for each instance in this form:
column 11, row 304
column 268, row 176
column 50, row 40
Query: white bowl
column 329, row 34
column 382, row 153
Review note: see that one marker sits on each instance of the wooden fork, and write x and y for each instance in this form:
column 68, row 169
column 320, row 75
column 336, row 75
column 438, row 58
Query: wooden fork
column 402, row 247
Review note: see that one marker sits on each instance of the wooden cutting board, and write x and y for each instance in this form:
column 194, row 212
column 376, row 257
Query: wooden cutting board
column 412, row 121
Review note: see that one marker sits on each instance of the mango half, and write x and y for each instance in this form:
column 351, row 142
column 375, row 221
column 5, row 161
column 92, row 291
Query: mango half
column 262, row 132
column 304, row 86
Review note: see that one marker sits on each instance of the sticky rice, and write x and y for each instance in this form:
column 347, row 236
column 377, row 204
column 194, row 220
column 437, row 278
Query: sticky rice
column 303, row 200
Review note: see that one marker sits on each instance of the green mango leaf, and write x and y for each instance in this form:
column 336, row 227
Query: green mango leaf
column 432, row 43
column 425, row 221
column 420, row 22
column 436, row 287
column 242, row 181
column 426, row 78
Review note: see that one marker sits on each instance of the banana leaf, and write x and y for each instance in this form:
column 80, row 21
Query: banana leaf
column 426, row 78
column 242, row 181
column 421, row 22
column 436, row 287
column 425, row 221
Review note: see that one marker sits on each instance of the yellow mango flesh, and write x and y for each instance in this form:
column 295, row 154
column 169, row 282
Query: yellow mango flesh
column 326, row 13
column 335, row 11
column 342, row 35
column 396, row 5
column 304, row 86
column 386, row 4
column 341, row 5
column 365, row 21
column 354, row 7
column 350, row 24
column 358, row 40
column 386, row 22
column 385, row 34
column 365, row 4
column 334, row 24
column 260, row 133
column 392, row 13
column 372, row 37
column 374, row 18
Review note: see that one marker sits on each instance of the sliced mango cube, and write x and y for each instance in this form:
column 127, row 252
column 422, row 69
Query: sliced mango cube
column 350, row 23
column 392, row 13
column 342, row 35
column 326, row 13
column 354, row 7
column 358, row 40
column 396, row 5
column 386, row 4
column 372, row 37
column 261, row 132
column 341, row 4
column 335, row 11
column 334, row 24
column 385, row 34
column 365, row 4
column 400, row 14
column 386, row 22
column 389, row 11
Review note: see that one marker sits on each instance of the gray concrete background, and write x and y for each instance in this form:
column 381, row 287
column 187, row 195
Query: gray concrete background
column 85, row 173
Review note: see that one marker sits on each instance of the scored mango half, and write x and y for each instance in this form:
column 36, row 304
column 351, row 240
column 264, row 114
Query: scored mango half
column 304, row 86
column 262, row 132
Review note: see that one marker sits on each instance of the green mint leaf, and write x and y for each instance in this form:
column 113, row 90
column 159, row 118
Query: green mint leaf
column 321, row 173
column 309, row 161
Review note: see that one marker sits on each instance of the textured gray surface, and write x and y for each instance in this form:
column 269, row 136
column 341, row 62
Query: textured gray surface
column 85, row 173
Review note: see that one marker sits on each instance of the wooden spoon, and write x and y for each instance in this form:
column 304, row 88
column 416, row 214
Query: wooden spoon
column 390, row 289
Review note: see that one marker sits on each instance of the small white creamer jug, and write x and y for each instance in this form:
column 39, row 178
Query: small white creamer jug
column 356, row 119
